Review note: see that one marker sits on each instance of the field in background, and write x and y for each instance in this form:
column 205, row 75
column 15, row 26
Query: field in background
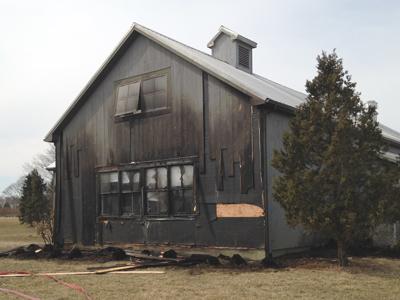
column 367, row 278
column 8, row 212
column 13, row 234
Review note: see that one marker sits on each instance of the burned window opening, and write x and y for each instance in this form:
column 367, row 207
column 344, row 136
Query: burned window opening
column 165, row 191
column 170, row 190
column 182, row 201
column 130, row 193
column 157, row 191
column 109, row 193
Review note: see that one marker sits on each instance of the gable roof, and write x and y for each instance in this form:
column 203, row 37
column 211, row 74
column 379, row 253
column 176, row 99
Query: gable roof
column 261, row 89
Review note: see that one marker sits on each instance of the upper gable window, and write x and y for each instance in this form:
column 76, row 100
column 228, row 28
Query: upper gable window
column 142, row 94
column 127, row 99
column 154, row 94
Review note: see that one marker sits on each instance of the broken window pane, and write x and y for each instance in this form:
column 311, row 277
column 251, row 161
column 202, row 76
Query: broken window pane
column 151, row 178
column 136, row 181
column 187, row 175
column 126, row 181
column 182, row 201
column 157, row 203
column 176, row 176
column 110, row 204
column 109, row 182
column 162, row 178
column 130, row 181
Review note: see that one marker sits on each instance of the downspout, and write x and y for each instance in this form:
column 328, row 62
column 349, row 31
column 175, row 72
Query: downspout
column 262, row 135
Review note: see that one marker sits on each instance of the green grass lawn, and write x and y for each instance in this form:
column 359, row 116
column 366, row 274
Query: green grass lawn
column 12, row 234
column 367, row 278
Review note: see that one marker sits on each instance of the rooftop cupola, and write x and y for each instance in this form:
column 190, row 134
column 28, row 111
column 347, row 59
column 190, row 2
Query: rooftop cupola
column 233, row 48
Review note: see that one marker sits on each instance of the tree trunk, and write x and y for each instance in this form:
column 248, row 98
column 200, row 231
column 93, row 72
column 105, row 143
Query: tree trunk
column 341, row 252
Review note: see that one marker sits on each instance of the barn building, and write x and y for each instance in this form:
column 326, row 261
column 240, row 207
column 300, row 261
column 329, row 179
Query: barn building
column 169, row 145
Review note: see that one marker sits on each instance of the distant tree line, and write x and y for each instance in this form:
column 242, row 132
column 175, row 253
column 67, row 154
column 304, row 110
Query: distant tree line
column 33, row 195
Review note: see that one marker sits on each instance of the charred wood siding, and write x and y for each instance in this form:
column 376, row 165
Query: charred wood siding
column 207, row 119
column 230, row 134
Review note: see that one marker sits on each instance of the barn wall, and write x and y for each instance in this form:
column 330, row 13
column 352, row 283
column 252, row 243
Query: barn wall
column 200, row 104
column 282, row 236
column 219, row 182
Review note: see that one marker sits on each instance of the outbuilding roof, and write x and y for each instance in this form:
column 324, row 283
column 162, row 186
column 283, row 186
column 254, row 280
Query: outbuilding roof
column 261, row 89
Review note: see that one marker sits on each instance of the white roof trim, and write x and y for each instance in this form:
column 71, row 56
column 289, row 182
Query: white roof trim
column 233, row 35
column 393, row 157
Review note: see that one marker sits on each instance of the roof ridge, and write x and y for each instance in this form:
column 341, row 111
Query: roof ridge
column 253, row 75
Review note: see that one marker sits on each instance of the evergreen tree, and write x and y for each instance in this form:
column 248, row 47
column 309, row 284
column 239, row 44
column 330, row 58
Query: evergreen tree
column 333, row 179
column 34, row 206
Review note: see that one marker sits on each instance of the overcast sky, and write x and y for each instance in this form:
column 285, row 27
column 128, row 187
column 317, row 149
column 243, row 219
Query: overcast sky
column 50, row 49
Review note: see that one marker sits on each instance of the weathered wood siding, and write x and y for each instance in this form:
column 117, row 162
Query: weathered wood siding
column 208, row 119
column 225, row 49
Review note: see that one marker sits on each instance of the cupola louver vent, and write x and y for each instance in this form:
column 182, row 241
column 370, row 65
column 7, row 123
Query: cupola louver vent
column 244, row 57
column 233, row 48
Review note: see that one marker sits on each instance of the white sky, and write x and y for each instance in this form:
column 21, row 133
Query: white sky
column 50, row 49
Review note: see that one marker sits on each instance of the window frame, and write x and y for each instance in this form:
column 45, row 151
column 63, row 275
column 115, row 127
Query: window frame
column 132, row 193
column 101, row 194
column 140, row 78
column 141, row 168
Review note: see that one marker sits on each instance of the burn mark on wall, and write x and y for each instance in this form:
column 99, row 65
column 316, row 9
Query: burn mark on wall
column 230, row 133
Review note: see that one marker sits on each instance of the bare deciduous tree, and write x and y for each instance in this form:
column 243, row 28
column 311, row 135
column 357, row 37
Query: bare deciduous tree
column 40, row 162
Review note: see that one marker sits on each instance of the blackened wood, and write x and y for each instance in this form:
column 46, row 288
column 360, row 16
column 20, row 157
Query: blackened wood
column 220, row 171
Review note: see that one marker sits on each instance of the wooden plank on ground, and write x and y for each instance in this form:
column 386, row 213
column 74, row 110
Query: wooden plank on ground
column 104, row 271
column 143, row 256
column 83, row 273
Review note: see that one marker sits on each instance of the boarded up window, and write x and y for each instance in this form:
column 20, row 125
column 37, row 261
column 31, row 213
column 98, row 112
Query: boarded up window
column 128, row 99
column 154, row 94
